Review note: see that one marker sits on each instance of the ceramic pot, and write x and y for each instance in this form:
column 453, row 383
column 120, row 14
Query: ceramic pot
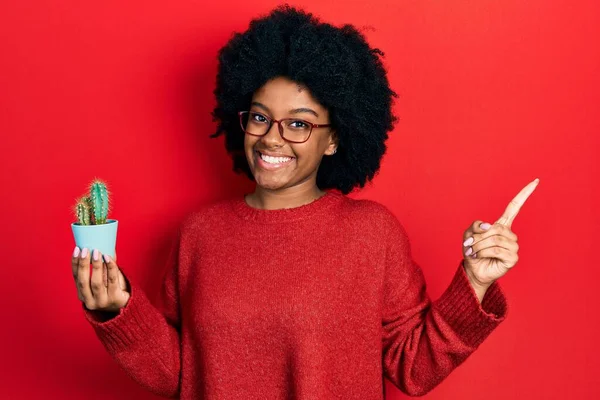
column 102, row 237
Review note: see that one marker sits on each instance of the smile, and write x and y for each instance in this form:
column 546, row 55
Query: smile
column 269, row 162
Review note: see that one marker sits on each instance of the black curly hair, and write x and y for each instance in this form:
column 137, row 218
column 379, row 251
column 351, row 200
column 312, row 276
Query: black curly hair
column 340, row 70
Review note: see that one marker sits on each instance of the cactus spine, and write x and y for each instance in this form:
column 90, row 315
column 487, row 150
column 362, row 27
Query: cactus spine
column 93, row 209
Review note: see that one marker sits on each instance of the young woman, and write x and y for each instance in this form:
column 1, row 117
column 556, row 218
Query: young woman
column 296, row 290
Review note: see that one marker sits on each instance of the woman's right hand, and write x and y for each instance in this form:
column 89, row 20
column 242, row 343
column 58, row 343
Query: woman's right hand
column 107, row 289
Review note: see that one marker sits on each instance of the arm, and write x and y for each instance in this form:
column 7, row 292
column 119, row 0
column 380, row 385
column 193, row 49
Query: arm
column 424, row 341
column 143, row 339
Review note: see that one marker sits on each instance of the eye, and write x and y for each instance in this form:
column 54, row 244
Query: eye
column 257, row 117
column 298, row 124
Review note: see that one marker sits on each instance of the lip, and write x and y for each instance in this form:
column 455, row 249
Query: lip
column 265, row 165
column 269, row 153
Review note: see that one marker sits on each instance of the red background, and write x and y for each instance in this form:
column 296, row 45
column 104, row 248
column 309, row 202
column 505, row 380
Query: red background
column 492, row 95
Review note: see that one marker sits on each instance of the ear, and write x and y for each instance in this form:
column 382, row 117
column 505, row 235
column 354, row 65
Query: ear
column 333, row 143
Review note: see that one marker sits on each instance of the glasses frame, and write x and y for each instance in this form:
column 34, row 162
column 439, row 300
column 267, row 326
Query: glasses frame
column 279, row 126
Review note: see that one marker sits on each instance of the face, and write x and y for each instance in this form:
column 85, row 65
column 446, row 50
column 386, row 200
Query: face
column 283, row 98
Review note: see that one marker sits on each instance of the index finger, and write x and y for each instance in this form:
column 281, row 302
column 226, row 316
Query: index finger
column 515, row 204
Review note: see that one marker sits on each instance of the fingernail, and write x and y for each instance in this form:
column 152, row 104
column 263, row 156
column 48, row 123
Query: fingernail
column 107, row 258
column 469, row 251
column 76, row 251
column 95, row 254
column 468, row 242
column 84, row 252
column 485, row 226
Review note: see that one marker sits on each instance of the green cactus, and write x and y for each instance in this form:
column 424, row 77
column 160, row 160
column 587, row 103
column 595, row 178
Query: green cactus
column 82, row 211
column 99, row 201
column 93, row 209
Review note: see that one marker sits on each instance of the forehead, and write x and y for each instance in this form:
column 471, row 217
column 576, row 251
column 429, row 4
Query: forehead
column 282, row 92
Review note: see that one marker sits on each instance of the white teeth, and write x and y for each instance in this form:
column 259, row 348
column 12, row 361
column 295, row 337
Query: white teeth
column 274, row 160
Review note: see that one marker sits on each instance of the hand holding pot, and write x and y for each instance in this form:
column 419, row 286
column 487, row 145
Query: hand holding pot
column 106, row 289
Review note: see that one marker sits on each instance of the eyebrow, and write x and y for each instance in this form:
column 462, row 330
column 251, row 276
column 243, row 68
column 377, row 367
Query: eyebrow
column 293, row 111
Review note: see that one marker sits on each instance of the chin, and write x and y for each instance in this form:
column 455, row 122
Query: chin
column 270, row 184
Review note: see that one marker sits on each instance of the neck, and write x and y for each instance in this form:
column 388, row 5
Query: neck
column 266, row 199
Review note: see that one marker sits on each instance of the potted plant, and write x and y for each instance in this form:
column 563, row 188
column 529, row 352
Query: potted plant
column 93, row 230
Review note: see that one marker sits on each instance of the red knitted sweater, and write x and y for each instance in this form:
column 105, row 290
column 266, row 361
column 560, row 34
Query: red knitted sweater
column 313, row 302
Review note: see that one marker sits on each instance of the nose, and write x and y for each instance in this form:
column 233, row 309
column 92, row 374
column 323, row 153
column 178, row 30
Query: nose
column 272, row 138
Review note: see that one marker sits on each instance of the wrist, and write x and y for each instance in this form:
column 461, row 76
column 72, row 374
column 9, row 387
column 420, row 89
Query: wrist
column 479, row 288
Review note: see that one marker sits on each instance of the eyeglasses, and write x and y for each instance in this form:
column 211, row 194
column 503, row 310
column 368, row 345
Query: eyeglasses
column 291, row 129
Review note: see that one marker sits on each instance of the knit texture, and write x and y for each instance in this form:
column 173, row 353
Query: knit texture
column 312, row 302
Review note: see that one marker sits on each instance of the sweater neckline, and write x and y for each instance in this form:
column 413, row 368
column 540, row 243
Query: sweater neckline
column 308, row 210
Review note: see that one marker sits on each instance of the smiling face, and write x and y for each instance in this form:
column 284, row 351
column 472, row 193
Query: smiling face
column 297, row 168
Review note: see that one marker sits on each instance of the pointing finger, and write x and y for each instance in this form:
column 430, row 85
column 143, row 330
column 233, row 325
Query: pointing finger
column 515, row 204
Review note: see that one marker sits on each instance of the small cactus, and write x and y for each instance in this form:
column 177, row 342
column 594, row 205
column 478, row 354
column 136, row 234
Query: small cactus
column 93, row 209
column 82, row 211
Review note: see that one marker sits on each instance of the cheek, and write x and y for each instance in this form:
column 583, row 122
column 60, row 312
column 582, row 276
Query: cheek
column 310, row 153
column 249, row 142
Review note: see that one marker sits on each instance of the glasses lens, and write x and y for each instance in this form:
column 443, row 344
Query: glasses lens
column 254, row 123
column 296, row 130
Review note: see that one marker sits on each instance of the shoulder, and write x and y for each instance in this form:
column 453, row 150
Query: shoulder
column 207, row 215
column 372, row 209
column 376, row 215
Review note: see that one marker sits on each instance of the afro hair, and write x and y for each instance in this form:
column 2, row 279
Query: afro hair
column 340, row 70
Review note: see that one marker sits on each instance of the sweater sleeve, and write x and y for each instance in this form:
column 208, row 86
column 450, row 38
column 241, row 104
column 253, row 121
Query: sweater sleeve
column 423, row 341
column 143, row 339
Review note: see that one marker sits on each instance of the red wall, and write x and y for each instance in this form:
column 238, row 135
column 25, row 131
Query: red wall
column 492, row 95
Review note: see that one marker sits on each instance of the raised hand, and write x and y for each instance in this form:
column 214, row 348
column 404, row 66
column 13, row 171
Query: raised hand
column 107, row 289
column 491, row 250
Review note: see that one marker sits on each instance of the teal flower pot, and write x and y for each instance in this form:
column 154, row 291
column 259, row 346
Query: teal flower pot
column 102, row 237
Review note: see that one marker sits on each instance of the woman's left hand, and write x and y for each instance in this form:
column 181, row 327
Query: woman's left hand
column 491, row 250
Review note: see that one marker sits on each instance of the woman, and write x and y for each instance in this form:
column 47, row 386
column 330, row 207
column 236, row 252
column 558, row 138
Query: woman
column 296, row 290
